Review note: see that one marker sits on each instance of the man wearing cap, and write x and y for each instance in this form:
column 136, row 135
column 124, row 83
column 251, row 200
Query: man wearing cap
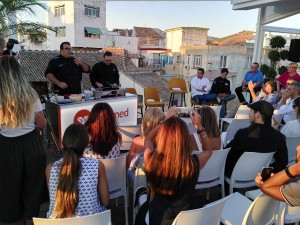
column 260, row 136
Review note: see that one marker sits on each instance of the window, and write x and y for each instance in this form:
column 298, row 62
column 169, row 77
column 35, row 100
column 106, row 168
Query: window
column 249, row 62
column 223, row 60
column 178, row 59
column 198, row 61
column 59, row 10
column 60, row 31
column 92, row 32
column 91, row 11
column 188, row 59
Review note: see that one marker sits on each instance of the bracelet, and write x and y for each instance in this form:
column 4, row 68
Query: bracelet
column 288, row 173
column 200, row 131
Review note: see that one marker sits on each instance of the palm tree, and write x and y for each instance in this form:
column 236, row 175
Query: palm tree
column 9, row 24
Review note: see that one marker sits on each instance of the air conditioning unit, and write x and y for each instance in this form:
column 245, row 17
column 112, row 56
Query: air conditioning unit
column 187, row 67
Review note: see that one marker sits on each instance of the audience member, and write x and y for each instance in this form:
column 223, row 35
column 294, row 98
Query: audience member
column 267, row 92
column 292, row 127
column 290, row 73
column 280, row 93
column 65, row 71
column 282, row 185
column 209, row 121
column 151, row 119
column 258, row 137
column 22, row 156
column 171, row 170
column 104, row 74
column 200, row 88
column 105, row 139
column 221, row 87
column 286, row 112
column 257, row 79
column 77, row 185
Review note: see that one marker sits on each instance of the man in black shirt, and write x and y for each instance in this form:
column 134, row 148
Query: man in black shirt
column 105, row 73
column 65, row 71
column 260, row 136
column 221, row 87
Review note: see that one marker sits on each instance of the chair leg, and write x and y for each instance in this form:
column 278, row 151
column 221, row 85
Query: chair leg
column 142, row 112
column 184, row 100
column 163, row 108
column 171, row 95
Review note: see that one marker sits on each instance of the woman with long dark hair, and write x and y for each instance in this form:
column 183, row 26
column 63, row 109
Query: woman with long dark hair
column 77, row 185
column 103, row 132
column 22, row 155
column 171, row 170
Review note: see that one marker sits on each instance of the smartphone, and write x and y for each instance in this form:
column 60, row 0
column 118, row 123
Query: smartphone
column 266, row 172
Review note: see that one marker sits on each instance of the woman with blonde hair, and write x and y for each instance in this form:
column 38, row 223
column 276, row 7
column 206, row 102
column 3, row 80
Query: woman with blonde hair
column 171, row 170
column 290, row 73
column 105, row 139
column 209, row 121
column 70, row 177
column 22, row 156
column 150, row 120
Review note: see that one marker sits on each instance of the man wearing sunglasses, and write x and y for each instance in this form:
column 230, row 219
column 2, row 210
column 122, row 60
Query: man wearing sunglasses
column 65, row 71
column 105, row 73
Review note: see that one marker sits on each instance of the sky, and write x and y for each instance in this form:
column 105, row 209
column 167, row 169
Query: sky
column 218, row 16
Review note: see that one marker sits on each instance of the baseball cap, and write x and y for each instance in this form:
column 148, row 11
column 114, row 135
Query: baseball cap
column 265, row 108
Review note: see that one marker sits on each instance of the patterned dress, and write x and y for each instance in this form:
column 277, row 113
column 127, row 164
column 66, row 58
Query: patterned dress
column 113, row 153
column 89, row 202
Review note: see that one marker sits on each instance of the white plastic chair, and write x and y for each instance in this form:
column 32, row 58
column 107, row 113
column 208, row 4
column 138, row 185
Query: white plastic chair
column 241, row 113
column 290, row 214
column 116, row 176
column 246, row 169
column 239, row 210
column 234, row 126
column 217, row 109
column 291, row 144
column 213, row 172
column 103, row 218
column 128, row 134
column 209, row 214
column 139, row 181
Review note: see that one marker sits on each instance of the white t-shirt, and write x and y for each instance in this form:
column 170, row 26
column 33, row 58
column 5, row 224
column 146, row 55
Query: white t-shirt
column 291, row 128
column 197, row 84
column 28, row 127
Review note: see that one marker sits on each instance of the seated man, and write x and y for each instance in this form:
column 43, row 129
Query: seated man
column 221, row 87
column 267, row 92
column 200, row 88
column 256, row 77
column 285, row 111
column 258, row 137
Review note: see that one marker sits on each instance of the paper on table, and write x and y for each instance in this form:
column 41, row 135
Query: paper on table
column 176, row 89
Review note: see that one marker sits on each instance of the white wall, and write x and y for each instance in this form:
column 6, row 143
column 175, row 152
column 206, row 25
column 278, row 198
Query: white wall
column 129, row 43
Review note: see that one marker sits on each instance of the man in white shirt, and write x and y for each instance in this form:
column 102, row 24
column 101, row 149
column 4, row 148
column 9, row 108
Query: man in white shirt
column 200, row 88
column 286, row 112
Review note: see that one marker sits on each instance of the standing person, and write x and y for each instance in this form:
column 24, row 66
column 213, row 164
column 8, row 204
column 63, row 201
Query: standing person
column 284, row 185
column 260, row 136
column 105, row 139
column 257, row 78
column 65, row 71
column 7, row 52
column 105, row 73
column 200, row 88
column 290, row 73
column 77, row 185
column 22, row 156
column 221, row 87
column 267, row 92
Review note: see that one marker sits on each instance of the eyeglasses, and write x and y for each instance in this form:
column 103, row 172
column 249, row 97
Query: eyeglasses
column 294, row 106
column 254, row 67
column 288, row 83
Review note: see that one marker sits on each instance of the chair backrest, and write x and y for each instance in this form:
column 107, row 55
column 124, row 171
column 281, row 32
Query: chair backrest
column 151, row 93
column 213, row 171
column 116, row 176
column 139, row 176
column 177, row 82
column 262, row 211
column 291, row 144
column 234, row 126
column 242, row 112
column 249, row 164
column 130, row 90
column 217, row 109
column 103, row 218
column 128, row 134
column 209, row 214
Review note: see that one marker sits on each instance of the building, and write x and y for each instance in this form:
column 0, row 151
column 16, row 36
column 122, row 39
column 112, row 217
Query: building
column 82, row 23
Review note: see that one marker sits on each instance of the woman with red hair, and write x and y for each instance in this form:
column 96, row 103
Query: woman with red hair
column 103, row 132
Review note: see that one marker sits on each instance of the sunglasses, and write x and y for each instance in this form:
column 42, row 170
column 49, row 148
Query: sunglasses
column 288, row 83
